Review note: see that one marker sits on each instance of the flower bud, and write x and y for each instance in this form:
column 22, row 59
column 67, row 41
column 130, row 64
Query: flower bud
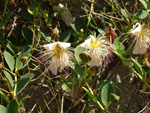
column 23, row 59
column 85, row 57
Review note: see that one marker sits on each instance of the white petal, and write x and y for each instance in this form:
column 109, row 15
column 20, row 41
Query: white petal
column 50, row 46
column 140, row 47
column 86, row 43
column 136, row 28
column 92, row 38
column 63, row 45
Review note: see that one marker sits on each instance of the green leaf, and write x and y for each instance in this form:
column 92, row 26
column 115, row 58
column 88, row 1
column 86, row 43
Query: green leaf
column 79, row 50
column 106, row 92
column 79, row 24
column 12, row 107
column 28, row 17
column 10, row 80
column 137, row 66
column 141, row 14
column 146, row 4
column 9, row 60
column 26, row 49
column 89, row 94
column 2, row 109
column 118, row 78
column 69, row 84
column 79, row 70
column 25, row 79
column 115, row 98
column 102, row 32
column 7, row 17
column 66, row 87
column 124, row 13
column 119, row 47
column 4, row 96
column 101, row 84
column 64, row 37
column 32, row 9
column 27, row 34
column 116, row 89
column 11, row 50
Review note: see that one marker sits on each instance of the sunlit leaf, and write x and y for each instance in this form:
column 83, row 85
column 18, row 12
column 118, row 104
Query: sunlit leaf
column 106, row 92
column 137, row 66
column 141, row 14
column 118, row 78
column 124, row 13
column 10, row 80
column 32, row 9
column 89, row 94
column 115, row 98
column 10, row 60
column 2, row 109
column 79, row 50
column 146, row 4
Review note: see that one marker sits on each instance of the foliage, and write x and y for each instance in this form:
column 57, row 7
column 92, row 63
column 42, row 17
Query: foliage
column 41, row 26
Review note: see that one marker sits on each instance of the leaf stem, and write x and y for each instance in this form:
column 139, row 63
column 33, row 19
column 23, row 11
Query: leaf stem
column 1, row 24
column 140, row 77
column 102, row 108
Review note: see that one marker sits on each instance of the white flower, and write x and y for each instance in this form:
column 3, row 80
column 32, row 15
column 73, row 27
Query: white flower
column 141, row 38
column 99, row 49
column 136, row 28
column 56, row 56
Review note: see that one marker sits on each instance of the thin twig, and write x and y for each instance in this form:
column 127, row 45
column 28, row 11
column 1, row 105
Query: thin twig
column 32, row 108
column 83, row 108
column 144, row 108
column 13, row 26
column 62, row 103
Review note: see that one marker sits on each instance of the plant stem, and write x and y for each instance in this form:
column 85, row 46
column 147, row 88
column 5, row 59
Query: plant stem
column 96, row 98
column 90, row 14
column 92, row 91
column 140, row 77
column 6, row 2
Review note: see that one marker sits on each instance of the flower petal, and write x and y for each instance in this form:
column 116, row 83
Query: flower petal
column 50, row 46
column 136, row 29
column 63, row 45
column 86, row 43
